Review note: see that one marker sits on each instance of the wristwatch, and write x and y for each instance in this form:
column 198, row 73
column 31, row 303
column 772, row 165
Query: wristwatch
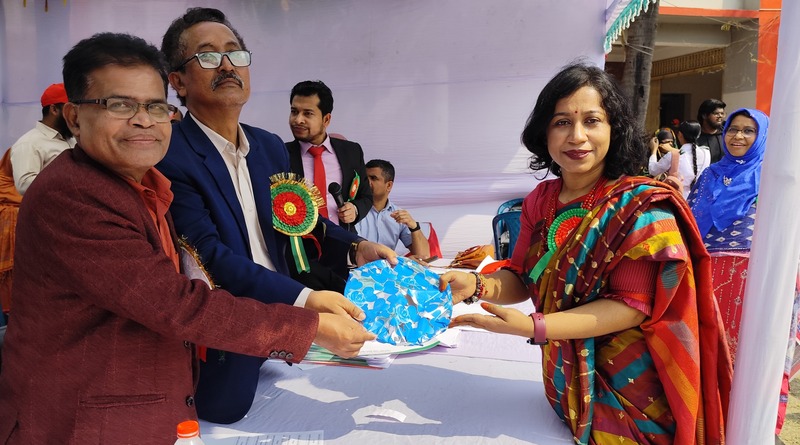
column 415, row 228
column 354, row 249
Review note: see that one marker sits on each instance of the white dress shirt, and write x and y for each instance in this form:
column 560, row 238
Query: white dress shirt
column 34, row 151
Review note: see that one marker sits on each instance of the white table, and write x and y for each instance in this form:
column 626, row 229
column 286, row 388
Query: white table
column 486, row 391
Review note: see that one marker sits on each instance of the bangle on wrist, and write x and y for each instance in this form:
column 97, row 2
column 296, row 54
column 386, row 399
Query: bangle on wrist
column 480, row 289
column 539, row 329
column 415, row 228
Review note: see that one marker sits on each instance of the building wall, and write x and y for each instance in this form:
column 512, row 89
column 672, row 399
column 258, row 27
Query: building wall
column 697, row 87
column 739, row 83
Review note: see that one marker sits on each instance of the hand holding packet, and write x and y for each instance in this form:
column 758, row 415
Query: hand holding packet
column 403, row 304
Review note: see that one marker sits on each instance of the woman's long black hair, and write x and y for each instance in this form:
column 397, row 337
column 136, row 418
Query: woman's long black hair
column 691, row 131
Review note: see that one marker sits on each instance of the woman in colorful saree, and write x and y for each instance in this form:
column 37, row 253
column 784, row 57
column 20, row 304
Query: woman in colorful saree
column 633, row 352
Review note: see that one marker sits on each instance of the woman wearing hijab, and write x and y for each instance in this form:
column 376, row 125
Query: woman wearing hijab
column 724, row 205
column 723, row 202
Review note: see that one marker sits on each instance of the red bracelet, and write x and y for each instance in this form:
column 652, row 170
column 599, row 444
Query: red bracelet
column 539, row 330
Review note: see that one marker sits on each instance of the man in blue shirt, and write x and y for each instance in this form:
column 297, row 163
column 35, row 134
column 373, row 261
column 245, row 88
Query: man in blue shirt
column 385, row 223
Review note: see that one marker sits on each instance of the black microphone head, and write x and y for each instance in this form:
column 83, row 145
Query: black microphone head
column 336, row 191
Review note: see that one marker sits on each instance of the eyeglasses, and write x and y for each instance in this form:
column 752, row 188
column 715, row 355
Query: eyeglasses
column 213, row 59
column 746, row 132
column 122, row 108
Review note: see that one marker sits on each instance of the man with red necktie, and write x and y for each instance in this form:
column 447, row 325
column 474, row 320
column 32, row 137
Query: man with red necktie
column 342, row 161
column 323, row 160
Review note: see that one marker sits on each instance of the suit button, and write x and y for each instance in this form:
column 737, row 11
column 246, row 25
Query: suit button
column 289, row 356
column 282, row 354
column 187, row 345
column 189, row 401
column 273, row 354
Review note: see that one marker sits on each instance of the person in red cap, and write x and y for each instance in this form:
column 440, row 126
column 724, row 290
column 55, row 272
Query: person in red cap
column 38, row 147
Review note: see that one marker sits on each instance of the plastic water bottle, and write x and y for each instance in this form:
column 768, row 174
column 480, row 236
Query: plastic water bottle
column 189, row 433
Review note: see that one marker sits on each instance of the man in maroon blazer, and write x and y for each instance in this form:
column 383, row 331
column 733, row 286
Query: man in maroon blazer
column 100, row 346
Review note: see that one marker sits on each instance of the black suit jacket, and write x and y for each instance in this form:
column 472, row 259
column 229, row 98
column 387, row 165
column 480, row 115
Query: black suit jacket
column 329, row 267
column 351, row 160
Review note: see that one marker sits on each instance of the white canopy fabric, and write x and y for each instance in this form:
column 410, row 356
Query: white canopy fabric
column 772, row 272
column 441, row 89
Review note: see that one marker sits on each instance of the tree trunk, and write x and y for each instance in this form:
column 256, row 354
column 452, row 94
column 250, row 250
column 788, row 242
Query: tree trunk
column 639, row 61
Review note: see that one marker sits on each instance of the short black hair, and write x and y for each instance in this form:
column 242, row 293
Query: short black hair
column 104, row 49
column 174, row 46
column 627, row 153
column 308, row 88
column 707, row 107
column 46, row 110
column 386, row 167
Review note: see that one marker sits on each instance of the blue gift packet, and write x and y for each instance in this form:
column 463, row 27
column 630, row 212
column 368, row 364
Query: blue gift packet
column 403, row 304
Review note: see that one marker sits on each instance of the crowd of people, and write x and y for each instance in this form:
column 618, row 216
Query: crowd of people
column 146, row 282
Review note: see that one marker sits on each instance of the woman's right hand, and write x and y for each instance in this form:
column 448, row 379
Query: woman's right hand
column 502, row 320
column 462, row 285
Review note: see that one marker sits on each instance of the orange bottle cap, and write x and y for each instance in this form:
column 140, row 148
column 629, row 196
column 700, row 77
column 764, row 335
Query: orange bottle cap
column 188, row 428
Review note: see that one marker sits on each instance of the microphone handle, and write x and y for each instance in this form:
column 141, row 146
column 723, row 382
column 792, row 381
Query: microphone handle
column 337, row 197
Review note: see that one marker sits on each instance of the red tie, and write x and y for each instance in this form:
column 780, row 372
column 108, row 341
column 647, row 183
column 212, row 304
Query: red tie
column 319, row 177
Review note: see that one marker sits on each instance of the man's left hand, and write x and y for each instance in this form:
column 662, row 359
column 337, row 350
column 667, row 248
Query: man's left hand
column 347, row 213
column 403, row 217
column 369, row 251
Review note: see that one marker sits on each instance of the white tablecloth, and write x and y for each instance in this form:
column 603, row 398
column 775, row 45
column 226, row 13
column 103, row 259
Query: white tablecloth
column 488, row 390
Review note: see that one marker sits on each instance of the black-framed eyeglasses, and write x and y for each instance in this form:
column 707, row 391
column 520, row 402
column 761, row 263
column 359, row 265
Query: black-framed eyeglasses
column 123, row 108
column 213, row 59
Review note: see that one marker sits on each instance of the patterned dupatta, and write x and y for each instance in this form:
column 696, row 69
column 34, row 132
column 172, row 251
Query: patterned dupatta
column 685, row 343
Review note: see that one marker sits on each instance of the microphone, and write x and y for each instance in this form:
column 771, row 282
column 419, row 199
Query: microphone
column 336, row 191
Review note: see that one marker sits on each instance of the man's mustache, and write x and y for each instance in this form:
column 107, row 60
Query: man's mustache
column 224, row 76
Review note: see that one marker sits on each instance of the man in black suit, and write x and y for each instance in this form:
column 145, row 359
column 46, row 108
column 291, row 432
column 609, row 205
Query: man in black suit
column 322, row 160
column 312, row 104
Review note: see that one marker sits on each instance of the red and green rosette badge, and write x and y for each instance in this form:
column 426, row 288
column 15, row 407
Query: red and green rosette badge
column 351, row 195
column 294, row 212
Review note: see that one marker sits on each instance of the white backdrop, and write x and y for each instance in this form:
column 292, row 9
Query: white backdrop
column 440, row 88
